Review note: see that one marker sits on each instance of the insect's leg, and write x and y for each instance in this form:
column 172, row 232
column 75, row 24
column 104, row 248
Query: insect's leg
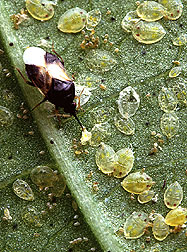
column 45, row 99
column 79, row 99
column 57, row 54
column 26, row 81
column 73, row 76
column 57, row 115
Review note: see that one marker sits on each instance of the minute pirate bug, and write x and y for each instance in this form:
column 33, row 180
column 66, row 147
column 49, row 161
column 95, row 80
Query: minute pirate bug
column 46, row 72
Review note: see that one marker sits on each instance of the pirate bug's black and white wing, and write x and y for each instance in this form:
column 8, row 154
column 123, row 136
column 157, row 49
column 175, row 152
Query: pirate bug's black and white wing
column 42, row 67
column 46, row 72
column 35, row 66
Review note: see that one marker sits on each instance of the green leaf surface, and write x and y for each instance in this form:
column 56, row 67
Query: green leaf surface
column 144, row 67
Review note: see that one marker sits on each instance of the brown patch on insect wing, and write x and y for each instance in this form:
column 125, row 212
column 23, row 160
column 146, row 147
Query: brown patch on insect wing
column 46, row 84
column 40, row 78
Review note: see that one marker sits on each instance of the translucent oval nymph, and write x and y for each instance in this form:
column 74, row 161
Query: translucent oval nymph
column 180, row 40
column 174, row 8
column 137, row 182
column 43, row 176
column 176, row 217
column 150, row 11
column 100, row 60
column 99, row 133
column 102, row 114
column 145, row 196
column 105, row 158
column 6, row 117
column 173, row 195
column 59, row 186
column 135, row 224
column 169, row 124
column 160, row 228
column 23, row 190
column 72, row 21
column 175, row 71
column 129, row 20
column 148, row 32
column 128, row 102
column 124, row 125
column 180, row 91
column 124, row 162
column 167, row 100
column 93, row 19
column 31, row 216
column 40, row 9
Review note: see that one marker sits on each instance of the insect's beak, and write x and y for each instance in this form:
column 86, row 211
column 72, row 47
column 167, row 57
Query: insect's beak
column 78, row 121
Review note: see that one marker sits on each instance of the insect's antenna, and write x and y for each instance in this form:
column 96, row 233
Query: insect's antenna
column 45, row 99
column 78, row 121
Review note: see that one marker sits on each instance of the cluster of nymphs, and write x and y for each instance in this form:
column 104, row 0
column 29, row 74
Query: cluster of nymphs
column 141, row 22
column 138, row 222
column 45, row 178
column 128, row 103
column 168, row 101
column 72, row 21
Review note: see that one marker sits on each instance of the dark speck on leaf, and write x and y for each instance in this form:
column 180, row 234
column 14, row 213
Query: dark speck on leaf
column 143, row 52
column 113, row 19
column 181, row 25
column 10, row 157
column 53, row 199
column 102, row 80
column 80, row 58
column 11, row 44
column 147, row 123
column 47, row 38
column 154, row 94
column 15, row 226
column 51, row 224
column 51, row 142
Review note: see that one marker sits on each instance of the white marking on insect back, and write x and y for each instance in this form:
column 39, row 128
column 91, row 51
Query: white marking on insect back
column 57, row 72
column 34, row 56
